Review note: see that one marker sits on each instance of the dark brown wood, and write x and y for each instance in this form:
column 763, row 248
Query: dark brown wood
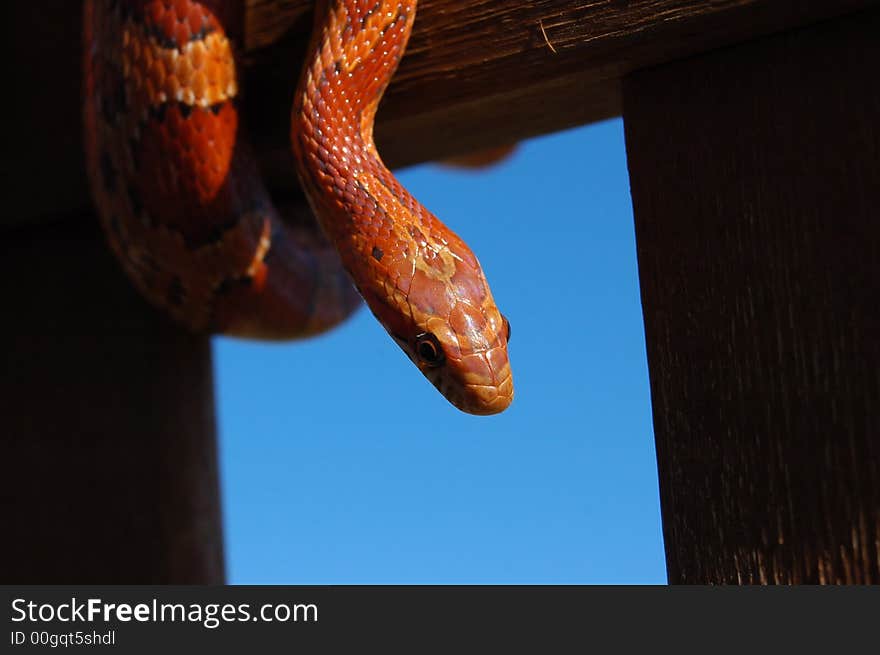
column 43, row 161
column 483, row 73
column 478, row 73
column 108, row 463
column 755, row 175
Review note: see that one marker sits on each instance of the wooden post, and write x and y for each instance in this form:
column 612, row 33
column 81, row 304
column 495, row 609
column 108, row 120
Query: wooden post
column 108, row 463
column 755, row 176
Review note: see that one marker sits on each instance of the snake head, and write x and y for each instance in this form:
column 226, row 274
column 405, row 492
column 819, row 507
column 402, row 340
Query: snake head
column 474, row 377
column 443, row 316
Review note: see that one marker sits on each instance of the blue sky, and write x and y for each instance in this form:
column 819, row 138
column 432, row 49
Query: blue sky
column 341, row 464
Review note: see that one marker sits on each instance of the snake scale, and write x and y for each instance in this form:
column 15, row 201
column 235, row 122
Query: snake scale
column 186, row 212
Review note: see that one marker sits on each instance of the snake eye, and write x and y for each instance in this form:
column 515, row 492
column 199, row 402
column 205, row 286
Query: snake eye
column 506, row 327
column 428, row 349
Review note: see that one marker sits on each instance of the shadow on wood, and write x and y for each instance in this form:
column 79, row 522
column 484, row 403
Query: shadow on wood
column 109, row 463
column 756, row 181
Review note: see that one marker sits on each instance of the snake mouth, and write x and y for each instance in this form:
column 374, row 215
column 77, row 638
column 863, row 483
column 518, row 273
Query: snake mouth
column 474, row 385
column 478, row 382
column 480, row 399
column 485, row 400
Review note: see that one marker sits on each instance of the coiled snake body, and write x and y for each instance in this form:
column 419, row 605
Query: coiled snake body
column 186, row 212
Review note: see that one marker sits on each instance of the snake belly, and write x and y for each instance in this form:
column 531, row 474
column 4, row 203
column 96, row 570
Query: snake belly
column 187, row 214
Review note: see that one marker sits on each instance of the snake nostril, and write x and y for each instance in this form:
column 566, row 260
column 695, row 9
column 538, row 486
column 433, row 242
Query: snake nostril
column 428, row 349
column 506, row 327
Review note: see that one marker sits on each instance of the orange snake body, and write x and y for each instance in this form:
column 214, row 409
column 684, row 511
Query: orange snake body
column 185, row 211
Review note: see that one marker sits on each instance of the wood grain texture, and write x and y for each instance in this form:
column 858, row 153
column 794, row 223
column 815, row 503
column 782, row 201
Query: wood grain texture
column 755, row 175
column 108, row 463
column 478, row 73
column 483, row 73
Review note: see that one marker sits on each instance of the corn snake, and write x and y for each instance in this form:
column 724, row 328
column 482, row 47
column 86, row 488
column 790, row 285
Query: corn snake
column 183, row 206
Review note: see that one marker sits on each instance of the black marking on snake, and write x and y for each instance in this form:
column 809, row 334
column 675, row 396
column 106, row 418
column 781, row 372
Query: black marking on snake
column 228, row 284
column 157, row 112
column 125, row 9
column 155, row 32
column 377, row 253
column 203, row 32
column 215, row 236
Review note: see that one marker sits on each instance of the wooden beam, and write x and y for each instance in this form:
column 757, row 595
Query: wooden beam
column 108, row 462
column 755, row 174
column 478, row 73
column 484, row 73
